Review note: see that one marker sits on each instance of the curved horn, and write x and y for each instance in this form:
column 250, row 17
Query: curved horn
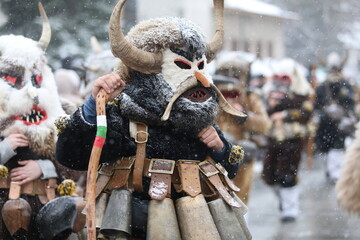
column 46, row 30
column 131, row 56
column 216, row 42
column 96, row 48
column 224, row 105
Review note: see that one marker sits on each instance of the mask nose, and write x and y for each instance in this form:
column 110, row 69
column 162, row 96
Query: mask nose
column 201, row 78
column 33, row 95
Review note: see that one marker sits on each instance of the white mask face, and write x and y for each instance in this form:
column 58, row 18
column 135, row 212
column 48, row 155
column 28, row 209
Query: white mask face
column 28, row 92
column 176, row 68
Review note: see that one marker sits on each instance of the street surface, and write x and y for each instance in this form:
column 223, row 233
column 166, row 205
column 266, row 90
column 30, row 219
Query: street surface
column 320, row 219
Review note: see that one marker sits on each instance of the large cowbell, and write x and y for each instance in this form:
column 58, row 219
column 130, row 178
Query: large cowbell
column 117, row 218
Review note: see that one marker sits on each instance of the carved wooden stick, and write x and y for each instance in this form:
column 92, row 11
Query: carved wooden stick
column 101, row 100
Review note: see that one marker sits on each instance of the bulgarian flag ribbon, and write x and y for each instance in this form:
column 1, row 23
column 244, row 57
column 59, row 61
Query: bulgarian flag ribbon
column 101, row 131
column 101, row 100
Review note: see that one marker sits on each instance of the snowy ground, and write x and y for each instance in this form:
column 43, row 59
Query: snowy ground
column 321, row 218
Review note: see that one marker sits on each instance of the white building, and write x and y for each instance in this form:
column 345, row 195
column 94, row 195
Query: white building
column 250, row 25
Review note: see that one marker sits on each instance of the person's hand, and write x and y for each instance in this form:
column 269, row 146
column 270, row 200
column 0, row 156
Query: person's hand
column 111, row 83
column 210, row 137
column 30, row 170
column 17, row 140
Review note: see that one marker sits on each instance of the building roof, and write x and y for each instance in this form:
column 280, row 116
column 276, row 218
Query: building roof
column 260, row 8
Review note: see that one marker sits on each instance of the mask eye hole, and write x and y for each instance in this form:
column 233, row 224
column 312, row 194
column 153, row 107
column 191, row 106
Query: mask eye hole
column 13, row 79
column 182, row 64
column 200, row 65
column 36, row 80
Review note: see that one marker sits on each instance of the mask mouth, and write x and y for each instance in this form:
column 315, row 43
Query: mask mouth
column 197, row 94
column 192, row 91
column 35, row 116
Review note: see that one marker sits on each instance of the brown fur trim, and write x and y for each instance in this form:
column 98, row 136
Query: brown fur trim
column 47, row 150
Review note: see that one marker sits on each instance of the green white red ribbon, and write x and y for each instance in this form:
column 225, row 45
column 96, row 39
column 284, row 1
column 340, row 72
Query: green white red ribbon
column 100, row 131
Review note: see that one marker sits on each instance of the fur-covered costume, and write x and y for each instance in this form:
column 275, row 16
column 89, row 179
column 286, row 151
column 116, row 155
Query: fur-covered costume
column 348, row 185
column 176, row 52
column 29, row 104
column 233, row 65
column 286, row 134
column 335, row 105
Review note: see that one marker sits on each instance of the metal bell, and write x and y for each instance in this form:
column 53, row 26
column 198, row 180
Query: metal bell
column 117, row 218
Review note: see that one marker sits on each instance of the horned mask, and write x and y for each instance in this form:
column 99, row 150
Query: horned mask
column 170, row 52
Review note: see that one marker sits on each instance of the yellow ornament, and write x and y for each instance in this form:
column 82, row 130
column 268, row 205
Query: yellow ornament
column 236, row 154
column 4, row 172
column 66, row 188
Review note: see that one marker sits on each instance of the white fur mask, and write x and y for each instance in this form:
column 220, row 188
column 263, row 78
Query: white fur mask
column 29, row 101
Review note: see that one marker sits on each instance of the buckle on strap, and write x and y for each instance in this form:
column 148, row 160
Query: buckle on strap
column 208, row 169
column 137, row 137
column 102, row 170
column 138, row 131
column 221, row 169
column 163, row 166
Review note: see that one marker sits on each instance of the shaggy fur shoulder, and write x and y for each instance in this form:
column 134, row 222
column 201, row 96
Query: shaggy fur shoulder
column 348, row 185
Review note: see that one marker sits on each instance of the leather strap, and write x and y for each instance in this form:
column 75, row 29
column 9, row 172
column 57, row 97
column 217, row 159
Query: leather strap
column 141, row 137
column 160, row 184
column 121, row 174
column 38, row 187
column 103, row 176
column 189, row 177
column 224, row 175
column 15, row 189
column 212, row 175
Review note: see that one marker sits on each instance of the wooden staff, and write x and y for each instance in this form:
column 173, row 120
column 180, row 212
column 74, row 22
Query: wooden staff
column 101, row 100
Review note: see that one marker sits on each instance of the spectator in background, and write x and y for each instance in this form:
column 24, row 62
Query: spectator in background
column 289, row 110
column 232, row 74
column 335, row 106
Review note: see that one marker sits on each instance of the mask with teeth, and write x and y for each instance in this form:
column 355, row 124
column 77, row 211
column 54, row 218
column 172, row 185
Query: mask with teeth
column 29, row 102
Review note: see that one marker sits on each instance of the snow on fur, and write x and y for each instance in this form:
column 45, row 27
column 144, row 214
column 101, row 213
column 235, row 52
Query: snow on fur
column 157, row 34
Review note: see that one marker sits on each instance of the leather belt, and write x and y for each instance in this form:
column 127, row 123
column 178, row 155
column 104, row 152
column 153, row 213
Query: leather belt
column 41, row 187
column 141, row 137
column 121, row 173
column 112, row 176
column 160, row 184
column 212, row 175
column 224, row 175
column 189, row 177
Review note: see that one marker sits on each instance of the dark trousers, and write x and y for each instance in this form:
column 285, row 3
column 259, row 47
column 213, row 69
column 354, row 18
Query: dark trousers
column 282, row 161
